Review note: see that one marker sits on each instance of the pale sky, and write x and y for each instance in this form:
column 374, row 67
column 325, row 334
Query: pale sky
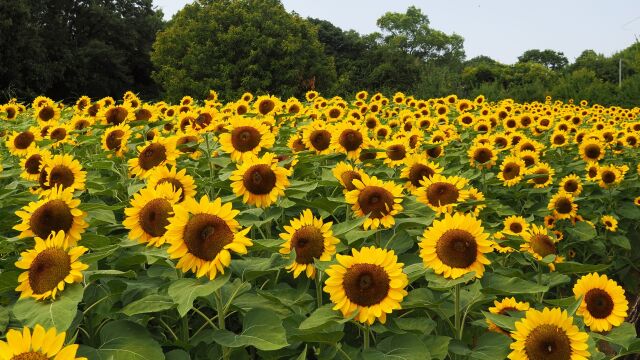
column 501, row 29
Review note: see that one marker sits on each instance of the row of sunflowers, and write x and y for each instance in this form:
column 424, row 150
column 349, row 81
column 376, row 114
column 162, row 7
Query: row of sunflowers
column 319, row 228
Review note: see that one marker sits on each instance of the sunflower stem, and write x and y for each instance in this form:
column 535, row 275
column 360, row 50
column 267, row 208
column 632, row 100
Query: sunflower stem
column 184, row 328
column 221, row 317
column 457, row 318
column 209, row 156
column 318, row 279
column 484, row 183
column 378, row 238
column 367, row 329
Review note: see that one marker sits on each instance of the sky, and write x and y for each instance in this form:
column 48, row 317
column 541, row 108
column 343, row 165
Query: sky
column 500, row 29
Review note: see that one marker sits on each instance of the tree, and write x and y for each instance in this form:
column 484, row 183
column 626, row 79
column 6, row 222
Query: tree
column 411, row 33
column 554, row 60
column 66, row 48
column 239, row 45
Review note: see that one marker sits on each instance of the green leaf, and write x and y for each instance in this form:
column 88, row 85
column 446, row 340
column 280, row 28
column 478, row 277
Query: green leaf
column 185, row 291
column 261, row 328
column 499, row 284
column 8, row 281
column 177, row 355
column 58, row 313
column 415, row 271
column 623, row 335
column 322, row 317
column 346, row 226
column 582, row 231
column 399, row 347
column 621, row 241
column 505, row 322
column 124, row 340
column 4, row 319
column 148, row 304
column 570, row 267
column 440, row 282
column 438, row 346
column 492, row 346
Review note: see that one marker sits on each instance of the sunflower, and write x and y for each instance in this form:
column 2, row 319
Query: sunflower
column 9, row 111
column 295, row 143
column 610, row 175
column 266, row 105
column 571, row 184
column 56, row 211
column 416, row 168
column 32, row 161
column 182, row 182
column 370, row 282
column 543, row 175
column 50, row 265
column 115, row 139
column 260, row 181
column 376, row 199
column 511, row 170
column 591, row 150
column 149, row 213
column 559, row 139
column 529, row 157
column 40, row 344
column 482, row 156
column 538, row 243
column 396, row 151
column 477, row 198
column 515, row 225
column 503, row 307
column 610, row 223
column 317, row 137
column 20, row 143
column 548, row 334
column 312, row 239
column 455, row 245
column 603, row 303
column 188, row 143
column 592, row 170
column 349, row 139
column 64, row 171
column 157, row 152
column 246, row 137
column 345, row 174
column 441, row 193
column 203, row 235
column 48, row 113
column 115, row 114
column 60, row 134
column 562, row 205
column 636, row 201
column 81, row 124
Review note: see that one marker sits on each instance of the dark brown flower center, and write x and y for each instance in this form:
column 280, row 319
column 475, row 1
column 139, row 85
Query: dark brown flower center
column 46, row 113
column 542, row 176
column 32, row 164
column 266, row 106
column 334, row 113
column 396, row 152
column 206, row 235
column 259, row 179
column 559, row 139
column 320, row 139
column 23, row 140
column 153, row 155
column 116, row 115
column 350, row 139
column 48, row 268
column 482, row 155
column 608, row 177
column 564, row 205
column 515, row 227
column 367, row 155
column 203, row 120
column 510, row 171
column 347, row 178
column 457, row 248
column 548, row 342
column 298, row 145
column 434, row 152
column 542, row 245
column 80, row 124
column 58, row 134
column 308, row 243
column 375, row 201
column 571, row 186
column 599, row 303
column 143, row 114
column 114, row 139
column 93, row 110
column 30, row 355
column 592, row 151
column 366, row 284
column 442, row 193
column 51, row 216
column 500, row 142
column 61, row 175
column 245, row 138
column 154, row 217
column 187, row 143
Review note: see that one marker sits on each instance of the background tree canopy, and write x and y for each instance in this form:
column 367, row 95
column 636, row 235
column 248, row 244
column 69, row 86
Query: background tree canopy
column 66, row 48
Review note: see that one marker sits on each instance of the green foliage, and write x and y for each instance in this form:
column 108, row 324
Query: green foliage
column 69, row 48
column 239, row 45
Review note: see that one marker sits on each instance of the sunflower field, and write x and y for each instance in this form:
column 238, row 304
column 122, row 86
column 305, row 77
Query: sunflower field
column 319, row 228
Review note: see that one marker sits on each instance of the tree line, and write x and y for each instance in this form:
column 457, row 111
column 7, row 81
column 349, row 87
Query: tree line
column 68, row 48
